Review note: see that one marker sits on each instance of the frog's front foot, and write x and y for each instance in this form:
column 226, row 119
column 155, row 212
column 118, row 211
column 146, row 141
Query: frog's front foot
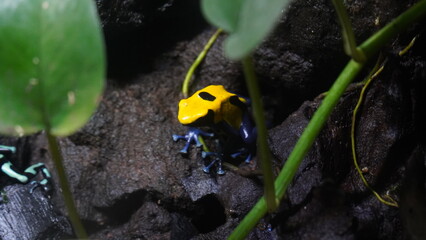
column 191, row 137
column 185, row 148
column 177, row 137
column 45, row 184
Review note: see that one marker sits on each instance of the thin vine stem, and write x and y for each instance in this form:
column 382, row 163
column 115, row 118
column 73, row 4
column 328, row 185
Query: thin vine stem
column 399, row 24
column 392, row 202
column 302, row 147
column 262, row 133
column 408, row 47
column 370, row 47
column 198, row 60
column 56, row 154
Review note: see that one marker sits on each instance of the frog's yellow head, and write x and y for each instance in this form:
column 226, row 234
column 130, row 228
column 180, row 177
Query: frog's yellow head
column 211, row 105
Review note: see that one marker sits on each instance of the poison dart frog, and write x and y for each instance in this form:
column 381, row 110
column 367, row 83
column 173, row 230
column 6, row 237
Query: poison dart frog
column 227, row 114
column 28, row 174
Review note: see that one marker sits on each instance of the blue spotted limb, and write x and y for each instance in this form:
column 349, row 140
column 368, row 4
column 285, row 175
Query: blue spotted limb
column 243, row 151
column 28, row 174
column 217, row 159
column 191, row 137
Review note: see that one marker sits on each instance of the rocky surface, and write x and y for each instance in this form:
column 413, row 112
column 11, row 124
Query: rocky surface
column 130, row 182
column 28, row 215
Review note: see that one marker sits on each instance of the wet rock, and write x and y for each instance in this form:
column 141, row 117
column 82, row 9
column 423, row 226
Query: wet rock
column 137, row 32
column 383, row 140
column 125, row 157
column 26, row 215
column 156, row 222
column 413, row 195
column 304, row 54
column 129, row 181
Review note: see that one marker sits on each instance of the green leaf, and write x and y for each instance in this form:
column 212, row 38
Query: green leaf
column 257, row 19
column 247, row 21
column 222, row 13
column 52, row 65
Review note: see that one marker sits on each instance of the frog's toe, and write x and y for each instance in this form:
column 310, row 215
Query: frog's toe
column 43, row 184
column 34, row 185
column 46, row 185
column 206, row 169
column 220, row 171
column 176, row 137
column 208, row 154
column 249, row 158
column 209, row 134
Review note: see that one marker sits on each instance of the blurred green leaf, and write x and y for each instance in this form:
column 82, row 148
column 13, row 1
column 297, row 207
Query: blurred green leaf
column 52, row 65
column 247, row 21
column 222, row 13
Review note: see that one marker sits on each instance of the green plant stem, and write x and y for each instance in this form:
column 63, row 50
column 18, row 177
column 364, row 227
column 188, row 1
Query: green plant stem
column 66, row 192
column 370, row 47
column 302, row 147
column 315, row 125
column 349, row 41
column 198, row 60
column 399, row 24
column 262, row 133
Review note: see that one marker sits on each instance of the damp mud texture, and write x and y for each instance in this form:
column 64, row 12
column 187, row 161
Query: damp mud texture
column 130, row 182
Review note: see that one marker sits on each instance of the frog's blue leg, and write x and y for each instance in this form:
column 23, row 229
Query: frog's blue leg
column 195, row 133
column 241, row 152
column 249, row 158
column 188, row 142
column 235, row 155
column 248, row 133
column 178, row 137
column 217, row 159
column 191, row 137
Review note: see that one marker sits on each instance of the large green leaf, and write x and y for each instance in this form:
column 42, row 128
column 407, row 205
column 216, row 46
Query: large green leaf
column 247, row 21
column 222, row 13
column 52, row 65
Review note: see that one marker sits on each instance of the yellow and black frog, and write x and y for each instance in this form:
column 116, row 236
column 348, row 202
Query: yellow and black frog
column 228, row 116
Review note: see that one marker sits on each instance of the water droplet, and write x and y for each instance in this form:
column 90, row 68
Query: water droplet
column 45, row 5
column 19, row 130
column 33, row 81
column 36, row 60
column 71, row 97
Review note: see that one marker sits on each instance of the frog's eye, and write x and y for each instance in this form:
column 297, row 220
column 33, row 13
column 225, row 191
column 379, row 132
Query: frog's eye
column 235, row 100
column 206, row 96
